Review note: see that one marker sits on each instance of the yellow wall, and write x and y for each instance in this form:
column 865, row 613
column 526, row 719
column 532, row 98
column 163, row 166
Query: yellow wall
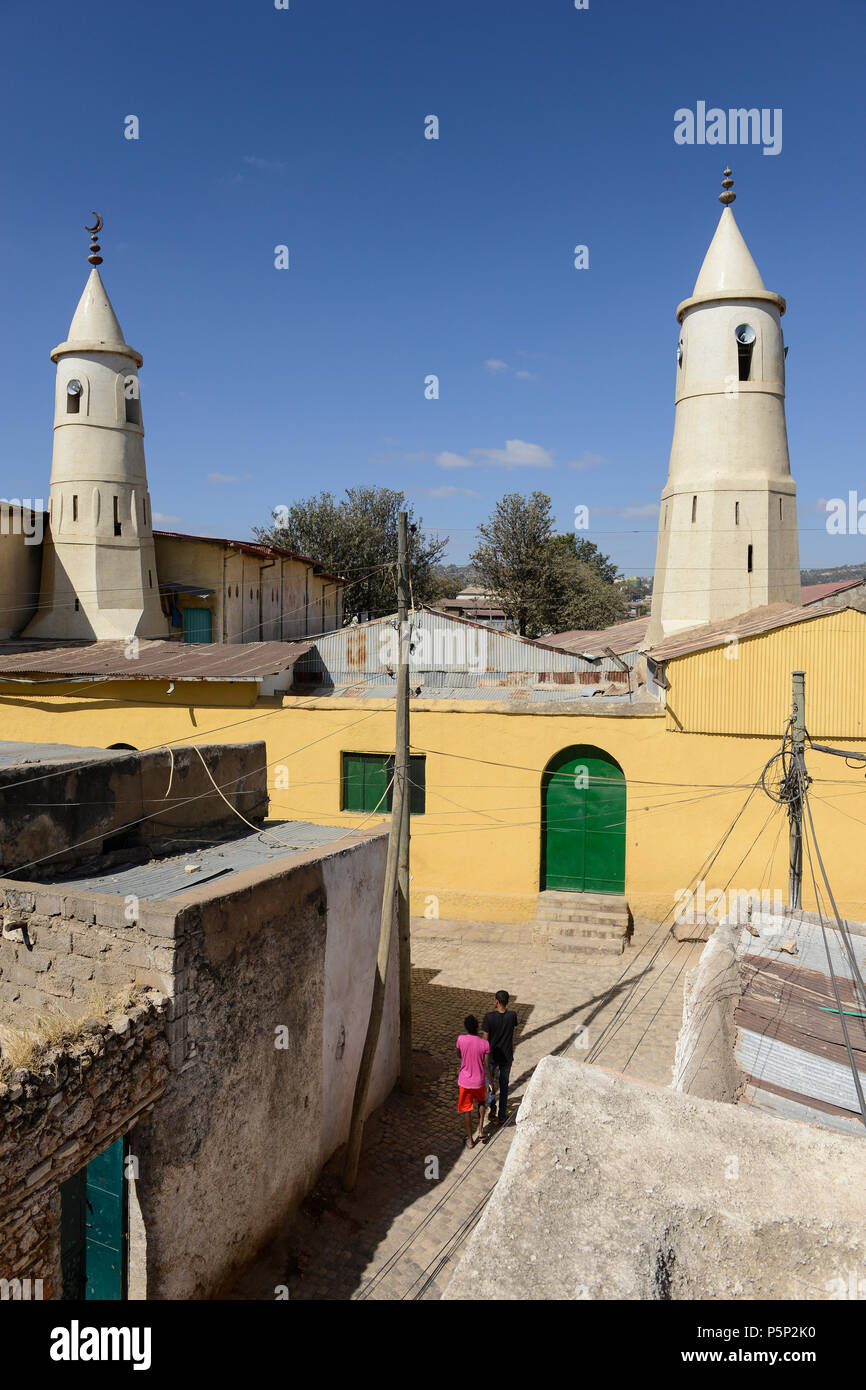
column 476, row 853
column 745, row 687
column 253, row 598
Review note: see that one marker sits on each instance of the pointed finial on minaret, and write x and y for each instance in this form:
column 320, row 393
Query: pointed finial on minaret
column 728, row 196
column 94, row 258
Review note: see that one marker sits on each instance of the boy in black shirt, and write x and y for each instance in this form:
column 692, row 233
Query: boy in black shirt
column 498, row 1027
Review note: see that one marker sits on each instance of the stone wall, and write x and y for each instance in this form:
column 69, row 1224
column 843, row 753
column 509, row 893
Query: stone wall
column 64, row 808
column 59, row 949
column 281, row 965
column 76, row 1100
column 267, row 980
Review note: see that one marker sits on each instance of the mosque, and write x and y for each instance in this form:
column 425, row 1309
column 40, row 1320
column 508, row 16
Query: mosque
column 232, row 639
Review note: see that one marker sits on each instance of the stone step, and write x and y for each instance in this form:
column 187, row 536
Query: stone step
column 581, row 931
column 545, row 913
column 590, row 899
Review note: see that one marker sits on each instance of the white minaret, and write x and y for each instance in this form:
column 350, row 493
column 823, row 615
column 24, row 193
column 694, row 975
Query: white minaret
column 727, row 537
column 99, row 566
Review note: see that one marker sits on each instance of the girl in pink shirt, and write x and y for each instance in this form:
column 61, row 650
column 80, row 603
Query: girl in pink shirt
column 474, row 1077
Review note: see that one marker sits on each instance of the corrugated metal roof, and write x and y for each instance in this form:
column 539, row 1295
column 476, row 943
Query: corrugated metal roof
column 452, row 654
column 709, row 693
column 813, row 593
column 622, row 637
column 156, row 660
column 790, row 1044
column 754, row 622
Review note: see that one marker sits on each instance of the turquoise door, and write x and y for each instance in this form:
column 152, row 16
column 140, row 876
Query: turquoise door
column 583, row 806
column 196, row 625
column 93, row 1229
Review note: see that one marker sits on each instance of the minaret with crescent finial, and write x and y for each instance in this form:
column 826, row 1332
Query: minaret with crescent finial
column 727, row 539
column 99, row 575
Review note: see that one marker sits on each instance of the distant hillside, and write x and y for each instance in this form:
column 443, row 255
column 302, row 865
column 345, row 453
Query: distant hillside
column 835, row 575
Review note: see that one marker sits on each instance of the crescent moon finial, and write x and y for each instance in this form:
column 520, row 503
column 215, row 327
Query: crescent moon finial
column 94, row 258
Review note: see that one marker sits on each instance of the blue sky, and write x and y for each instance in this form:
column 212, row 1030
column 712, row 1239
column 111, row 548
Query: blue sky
column 305, row 127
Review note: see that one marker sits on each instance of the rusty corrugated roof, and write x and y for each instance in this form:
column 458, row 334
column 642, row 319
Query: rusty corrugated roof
column 811, row 593
column 622, row 637
column 155, row 660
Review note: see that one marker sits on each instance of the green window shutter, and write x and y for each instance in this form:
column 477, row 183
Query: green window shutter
column 417, row 784
column 365, row 777
column 376, row 775
column 418, row 789
column 353, row 782
column 197, row 625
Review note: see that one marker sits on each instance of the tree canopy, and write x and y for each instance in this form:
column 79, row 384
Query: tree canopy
column 356, row 537
column 545, row 582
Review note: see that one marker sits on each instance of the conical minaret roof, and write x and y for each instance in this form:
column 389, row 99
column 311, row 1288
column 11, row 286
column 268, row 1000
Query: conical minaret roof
column 728, row 265
column 94, row 326
column 729, row 270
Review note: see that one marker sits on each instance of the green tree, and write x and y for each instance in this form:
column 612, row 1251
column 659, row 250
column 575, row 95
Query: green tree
column 514, row 560
column 545, row 582
column 582, row 593
column 357, row 537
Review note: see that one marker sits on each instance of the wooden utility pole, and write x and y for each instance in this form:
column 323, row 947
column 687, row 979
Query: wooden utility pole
column 399, row 798
column 401, row 764
column 795, row 804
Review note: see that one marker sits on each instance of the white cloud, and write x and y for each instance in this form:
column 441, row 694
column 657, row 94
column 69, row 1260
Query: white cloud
column 516, row 454
column 496, row 366
column 449, row 491
column 222, row 478
column 162, row 521
column 449, row 460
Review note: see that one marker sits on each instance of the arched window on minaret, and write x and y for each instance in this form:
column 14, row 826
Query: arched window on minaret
column 74, row 391
column 745, row 336
column 132, row 400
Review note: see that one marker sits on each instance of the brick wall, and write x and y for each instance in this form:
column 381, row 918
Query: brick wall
column 76, row 1101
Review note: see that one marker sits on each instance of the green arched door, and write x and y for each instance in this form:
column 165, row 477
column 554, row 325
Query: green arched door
column 583, row 822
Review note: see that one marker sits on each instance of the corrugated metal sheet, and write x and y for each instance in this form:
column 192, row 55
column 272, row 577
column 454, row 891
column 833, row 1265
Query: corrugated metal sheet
column 745, row 687
column 157, row 660
column 454, row 653
column 790, row 1041
column 621, row 638
column 768, row 1059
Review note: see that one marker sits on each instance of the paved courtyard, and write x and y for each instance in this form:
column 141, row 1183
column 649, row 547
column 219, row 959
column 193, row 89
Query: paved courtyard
column 420, row 1191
